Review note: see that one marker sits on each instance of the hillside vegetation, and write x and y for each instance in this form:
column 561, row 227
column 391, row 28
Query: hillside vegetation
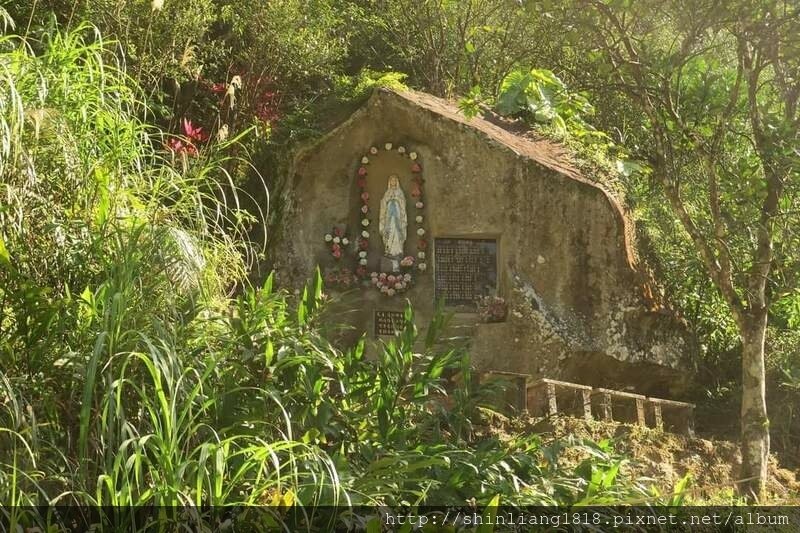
column 148, row 358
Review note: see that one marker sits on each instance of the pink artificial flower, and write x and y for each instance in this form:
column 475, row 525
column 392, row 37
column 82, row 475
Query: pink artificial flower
column 416, row 168
column 365, row 196
column 362, row 171
column 361, row 183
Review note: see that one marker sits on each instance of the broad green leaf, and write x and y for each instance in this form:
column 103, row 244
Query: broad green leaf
column 512, row 91
column 5, row 258
column 489, row 516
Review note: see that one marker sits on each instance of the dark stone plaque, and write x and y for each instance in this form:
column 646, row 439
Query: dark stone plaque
column 386, row 322
column 465, row 270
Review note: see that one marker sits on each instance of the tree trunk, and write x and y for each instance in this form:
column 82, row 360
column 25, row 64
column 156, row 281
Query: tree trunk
column 755, row 425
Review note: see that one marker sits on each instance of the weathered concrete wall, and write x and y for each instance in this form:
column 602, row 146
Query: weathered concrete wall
column 576, row 300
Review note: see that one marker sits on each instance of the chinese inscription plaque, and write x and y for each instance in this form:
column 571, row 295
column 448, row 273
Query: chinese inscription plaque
column 466, row 270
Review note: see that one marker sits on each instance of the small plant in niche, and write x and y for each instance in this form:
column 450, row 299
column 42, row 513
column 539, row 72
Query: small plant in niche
column 492, row 309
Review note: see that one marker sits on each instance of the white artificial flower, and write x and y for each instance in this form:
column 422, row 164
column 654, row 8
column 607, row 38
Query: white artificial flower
column 419, row 205
column 365, row 222
column 413, row 156
column 373, row 150
column 421, row 232
column 390, row 292
column 421, row 255
column 401, row 150
column 407, row 277
column 422, row 266
column 365, row 234
column 365, row 209
column 365, row 160
column 328, row 237
column 362, row 254
column 345, row 241
column 362, row 261
column 337, row 240
column 222, row 134
column 157, row 5
column 388, row 146
column 419, row 219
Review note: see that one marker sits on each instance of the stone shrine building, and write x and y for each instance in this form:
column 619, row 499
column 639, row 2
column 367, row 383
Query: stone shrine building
column 409, row 200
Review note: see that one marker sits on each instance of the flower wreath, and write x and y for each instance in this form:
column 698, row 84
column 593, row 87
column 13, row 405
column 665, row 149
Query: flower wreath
column 391, row 283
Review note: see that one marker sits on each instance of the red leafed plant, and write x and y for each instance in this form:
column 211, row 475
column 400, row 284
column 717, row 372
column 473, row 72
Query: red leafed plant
column 194, row 133
column 185, row 144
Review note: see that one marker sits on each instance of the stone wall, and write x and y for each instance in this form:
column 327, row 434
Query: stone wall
column 578, row 306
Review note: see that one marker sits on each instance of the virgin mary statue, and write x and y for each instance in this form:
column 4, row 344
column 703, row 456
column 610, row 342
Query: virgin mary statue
column 393, row 220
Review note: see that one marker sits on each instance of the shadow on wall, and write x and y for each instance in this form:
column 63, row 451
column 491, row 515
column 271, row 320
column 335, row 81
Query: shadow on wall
column 600, row 370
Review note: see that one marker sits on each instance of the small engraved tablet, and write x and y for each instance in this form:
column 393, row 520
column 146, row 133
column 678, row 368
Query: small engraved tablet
column 387, row 322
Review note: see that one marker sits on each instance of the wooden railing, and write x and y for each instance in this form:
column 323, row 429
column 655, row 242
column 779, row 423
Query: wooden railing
column 550, row 397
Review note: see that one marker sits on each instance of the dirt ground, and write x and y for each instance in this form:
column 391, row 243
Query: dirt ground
column 665, row 458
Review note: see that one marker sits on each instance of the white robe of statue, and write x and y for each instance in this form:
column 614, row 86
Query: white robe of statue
column 393, row 222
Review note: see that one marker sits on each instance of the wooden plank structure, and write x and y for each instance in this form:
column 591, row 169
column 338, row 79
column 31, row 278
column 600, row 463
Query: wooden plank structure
column 546, row 395
column 627, row 406
column 672, row 416
column 549, row 397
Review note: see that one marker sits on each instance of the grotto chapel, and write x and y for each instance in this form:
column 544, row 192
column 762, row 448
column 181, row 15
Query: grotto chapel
column 407, row 199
